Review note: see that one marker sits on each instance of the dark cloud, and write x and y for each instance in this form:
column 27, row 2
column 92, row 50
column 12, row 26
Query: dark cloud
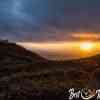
column 47, row 19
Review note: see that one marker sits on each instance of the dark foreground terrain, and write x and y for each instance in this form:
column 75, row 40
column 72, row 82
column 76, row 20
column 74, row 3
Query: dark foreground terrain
column 27, row 76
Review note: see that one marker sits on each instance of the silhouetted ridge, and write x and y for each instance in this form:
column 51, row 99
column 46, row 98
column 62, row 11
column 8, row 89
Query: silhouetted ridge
column 11, row 50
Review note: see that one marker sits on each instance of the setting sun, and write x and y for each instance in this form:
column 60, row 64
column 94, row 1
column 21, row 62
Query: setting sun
column 86, row 46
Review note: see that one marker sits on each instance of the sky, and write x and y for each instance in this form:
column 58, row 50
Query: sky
column 48, row 20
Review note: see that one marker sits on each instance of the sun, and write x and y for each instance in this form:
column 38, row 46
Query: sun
column 86, row 46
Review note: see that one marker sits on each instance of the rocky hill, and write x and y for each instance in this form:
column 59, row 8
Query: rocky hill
column 25, row 75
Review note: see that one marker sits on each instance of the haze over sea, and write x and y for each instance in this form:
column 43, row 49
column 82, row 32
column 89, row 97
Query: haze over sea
column 62, row 50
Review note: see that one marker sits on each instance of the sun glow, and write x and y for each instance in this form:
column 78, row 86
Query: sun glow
column 63, row 50
column 87, row 46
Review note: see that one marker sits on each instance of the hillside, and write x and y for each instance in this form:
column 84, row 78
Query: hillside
column 26, row 76
column 14, row 52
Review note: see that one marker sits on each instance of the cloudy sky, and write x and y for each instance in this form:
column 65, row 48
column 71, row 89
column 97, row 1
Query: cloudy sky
column 47, row 20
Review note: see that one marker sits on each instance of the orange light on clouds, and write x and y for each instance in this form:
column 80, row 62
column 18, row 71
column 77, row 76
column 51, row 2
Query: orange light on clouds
column 86, row 36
